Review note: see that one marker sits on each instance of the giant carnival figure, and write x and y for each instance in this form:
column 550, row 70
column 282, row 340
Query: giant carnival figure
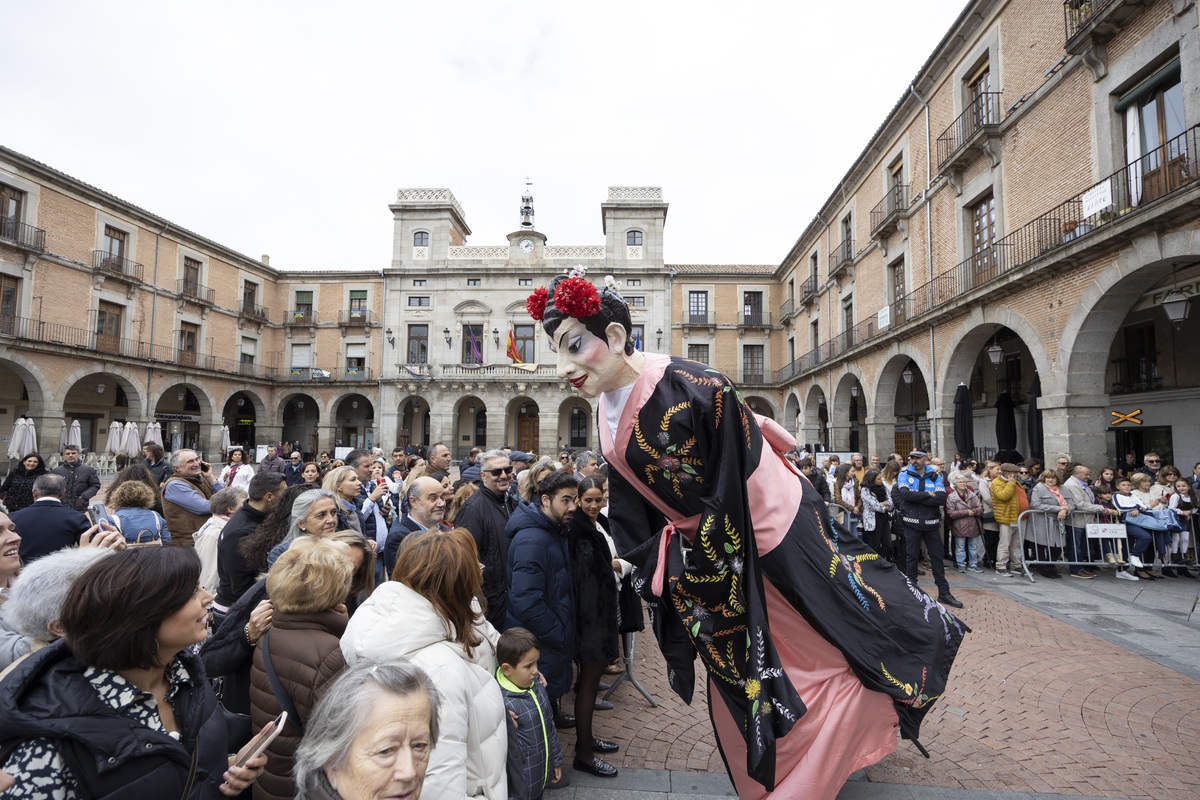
column 817, row 650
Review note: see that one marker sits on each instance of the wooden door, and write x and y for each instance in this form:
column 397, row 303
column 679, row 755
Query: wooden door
column 527, row 434
column 8, row 305
column 904, row 443
column 108, row 328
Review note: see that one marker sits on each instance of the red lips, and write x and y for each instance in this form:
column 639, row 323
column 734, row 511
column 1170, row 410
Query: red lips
column 577, row 382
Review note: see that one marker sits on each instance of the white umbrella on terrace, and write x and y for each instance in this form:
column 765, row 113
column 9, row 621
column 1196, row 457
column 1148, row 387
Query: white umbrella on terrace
column 154, row 433
column 131, row 443
column 14, row 441
column 29, row 439
column 62, row 436
column 224, row 438
column 112, row 445
column 75, row 435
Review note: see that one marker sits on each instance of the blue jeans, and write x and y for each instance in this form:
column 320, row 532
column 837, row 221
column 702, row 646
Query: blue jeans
column 1139, row 539
column 967, row 550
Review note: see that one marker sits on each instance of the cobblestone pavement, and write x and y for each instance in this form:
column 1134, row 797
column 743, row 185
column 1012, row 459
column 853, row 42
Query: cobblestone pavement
column 1034, row 705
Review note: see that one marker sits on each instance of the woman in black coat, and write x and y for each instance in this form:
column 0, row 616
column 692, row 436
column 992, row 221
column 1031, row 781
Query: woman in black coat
column 595, row 570
column 17, row 489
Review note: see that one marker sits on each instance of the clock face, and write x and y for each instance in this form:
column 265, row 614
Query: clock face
column 527, row 245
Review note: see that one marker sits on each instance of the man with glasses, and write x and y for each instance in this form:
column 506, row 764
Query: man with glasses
column 1151, row 464
column 485, row 514
column 293, row 472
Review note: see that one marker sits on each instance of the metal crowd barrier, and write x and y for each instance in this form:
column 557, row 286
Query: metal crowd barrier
column 1102, row 537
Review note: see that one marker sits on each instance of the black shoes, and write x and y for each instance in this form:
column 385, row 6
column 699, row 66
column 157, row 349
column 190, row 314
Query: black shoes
column 604, row 746
column 596, row 766
column 948, row 600
column 562, row 721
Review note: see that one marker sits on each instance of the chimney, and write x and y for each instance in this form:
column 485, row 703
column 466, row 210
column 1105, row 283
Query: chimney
column 266, row 259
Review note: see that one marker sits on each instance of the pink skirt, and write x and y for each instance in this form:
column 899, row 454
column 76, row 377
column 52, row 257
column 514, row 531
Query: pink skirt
column 847, row 727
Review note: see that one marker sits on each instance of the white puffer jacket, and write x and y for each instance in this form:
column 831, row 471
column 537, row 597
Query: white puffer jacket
column 472, row 749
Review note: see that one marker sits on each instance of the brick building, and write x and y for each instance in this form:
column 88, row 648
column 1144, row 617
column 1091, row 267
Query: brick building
column 1028, row 208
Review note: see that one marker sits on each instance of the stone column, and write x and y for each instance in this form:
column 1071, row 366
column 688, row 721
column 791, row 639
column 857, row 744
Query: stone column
column 839, row 437
column 881, row 437
column 1080, row 431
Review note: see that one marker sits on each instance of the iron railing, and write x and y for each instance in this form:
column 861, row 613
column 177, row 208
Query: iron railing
column 354, row 374
column 255, row 311
column 841, row 256
column 112, row 264
column 66, row 336
column 981, row 114
column 751, row 376
column 358, row 316
column 698, row 318
column 755, row 319
column 787, row 309
column 1078, row 13
column 1136, row 375
column 894, row 203
column 196, row 291
column 24, row 235
column 308, row 374
column 808, row 288
column 301, row 317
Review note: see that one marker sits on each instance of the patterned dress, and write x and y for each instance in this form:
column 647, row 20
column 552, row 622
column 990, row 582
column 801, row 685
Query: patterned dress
column 816, row 649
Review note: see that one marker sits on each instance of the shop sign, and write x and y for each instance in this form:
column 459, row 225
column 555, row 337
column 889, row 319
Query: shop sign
column 1132, row 416
column 1097, row 199
column 883, row 318
column 179, row 417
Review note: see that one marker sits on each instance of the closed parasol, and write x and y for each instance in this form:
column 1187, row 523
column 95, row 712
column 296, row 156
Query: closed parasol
column 964, row 421
column 1033, row 419
column 75, row 435
column 112, row 444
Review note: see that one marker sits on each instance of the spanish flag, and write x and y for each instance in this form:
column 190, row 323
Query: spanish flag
column 512, row 348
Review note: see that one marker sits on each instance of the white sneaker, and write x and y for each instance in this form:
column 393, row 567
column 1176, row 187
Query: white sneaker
column 1122, row 575
column 1136, row 563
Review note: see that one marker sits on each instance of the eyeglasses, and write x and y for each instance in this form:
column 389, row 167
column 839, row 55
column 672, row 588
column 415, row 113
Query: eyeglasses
column 1024, row 471
column 1153, row 461
column 496, row 473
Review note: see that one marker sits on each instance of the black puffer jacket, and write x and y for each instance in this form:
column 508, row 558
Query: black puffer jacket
column 228, row 655
column 485, row 514
column 595, row 590
column 110, row 755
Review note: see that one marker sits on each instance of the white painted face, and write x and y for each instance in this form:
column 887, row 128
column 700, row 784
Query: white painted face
column 591, row 364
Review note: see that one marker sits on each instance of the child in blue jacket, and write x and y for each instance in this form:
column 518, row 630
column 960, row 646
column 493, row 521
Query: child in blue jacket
column 534, row 754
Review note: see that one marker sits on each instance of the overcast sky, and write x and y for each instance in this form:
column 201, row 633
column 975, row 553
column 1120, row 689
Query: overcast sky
column 286, row 128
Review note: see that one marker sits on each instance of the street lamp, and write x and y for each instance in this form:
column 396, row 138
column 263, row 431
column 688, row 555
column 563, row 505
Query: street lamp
column 496, row 336
column 995, row 354
column 907, row 375
column 449, row 341
column 391, row 339
column 100, row 387
column 180, row 396
column 659, row 334
column 1177, row 310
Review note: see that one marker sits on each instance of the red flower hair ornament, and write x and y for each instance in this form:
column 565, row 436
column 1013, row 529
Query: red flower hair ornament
column 575, row 297
column 536, row 304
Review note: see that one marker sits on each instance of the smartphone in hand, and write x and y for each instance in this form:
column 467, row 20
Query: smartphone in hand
column 256, row 746
column 96, row 512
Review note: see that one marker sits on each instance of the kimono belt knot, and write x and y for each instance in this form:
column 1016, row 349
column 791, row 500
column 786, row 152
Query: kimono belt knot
column 685, row 527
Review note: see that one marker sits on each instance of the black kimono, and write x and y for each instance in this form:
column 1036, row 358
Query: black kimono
column 739, row 561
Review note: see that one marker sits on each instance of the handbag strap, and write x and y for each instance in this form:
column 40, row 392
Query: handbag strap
column 281, row 694
column 191, row 778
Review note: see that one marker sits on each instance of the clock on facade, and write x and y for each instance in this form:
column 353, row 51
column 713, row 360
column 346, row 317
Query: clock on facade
column 527, row 245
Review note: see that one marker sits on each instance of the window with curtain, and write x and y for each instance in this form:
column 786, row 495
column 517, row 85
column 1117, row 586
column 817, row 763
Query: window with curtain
column 1154, row 123
column 418, row 344
column 356, row 360
column 472, row 344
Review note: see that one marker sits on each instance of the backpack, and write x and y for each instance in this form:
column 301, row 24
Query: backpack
column 139, row 526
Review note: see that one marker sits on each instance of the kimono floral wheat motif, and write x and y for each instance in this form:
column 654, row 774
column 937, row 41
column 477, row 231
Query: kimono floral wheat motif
column 675, row 463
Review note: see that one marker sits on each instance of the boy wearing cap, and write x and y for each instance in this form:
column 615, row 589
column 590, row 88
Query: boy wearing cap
column 1007, row 494
column 920, row 495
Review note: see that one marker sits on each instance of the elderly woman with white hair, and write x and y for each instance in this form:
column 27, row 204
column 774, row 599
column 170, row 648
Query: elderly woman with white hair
column 32, row 609
column 370, row 736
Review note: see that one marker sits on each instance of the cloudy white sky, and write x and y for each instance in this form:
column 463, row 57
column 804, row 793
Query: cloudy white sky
column 285, row 128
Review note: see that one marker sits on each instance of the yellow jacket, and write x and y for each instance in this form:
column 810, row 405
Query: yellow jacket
column 1005, row 504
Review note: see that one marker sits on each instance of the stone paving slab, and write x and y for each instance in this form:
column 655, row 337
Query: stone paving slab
column 1037, row 704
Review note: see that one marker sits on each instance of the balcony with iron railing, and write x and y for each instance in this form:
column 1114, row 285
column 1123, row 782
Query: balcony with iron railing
column 787, row 310
column 196, row 292
column 60, row 337
column 1136, row 374
column 698, row 318
column 353, row 374
column 254, row 312
column 754, row 376
column 886, row 216
column 300, row 318
column 356, row 318
column 754, row 319
column 116, row 266
column 1093, row 22
column 1127, row 194
column 27, row 237
column 841, row 257
column 972, row 133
